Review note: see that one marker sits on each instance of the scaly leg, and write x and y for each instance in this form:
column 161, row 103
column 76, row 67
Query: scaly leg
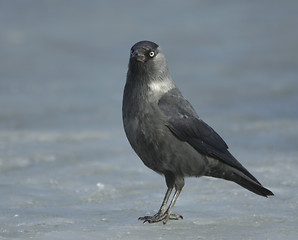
column 162, row 214
column 168, row 213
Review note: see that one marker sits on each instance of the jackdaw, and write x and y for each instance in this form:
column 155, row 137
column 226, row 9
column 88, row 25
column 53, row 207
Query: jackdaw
column 168, row 135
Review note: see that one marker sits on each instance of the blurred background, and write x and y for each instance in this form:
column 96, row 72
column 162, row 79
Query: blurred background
column 66, row 168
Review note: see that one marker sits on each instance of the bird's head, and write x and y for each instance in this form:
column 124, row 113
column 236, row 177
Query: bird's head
column 148, row 67
column 147, row 57
column 144, row 51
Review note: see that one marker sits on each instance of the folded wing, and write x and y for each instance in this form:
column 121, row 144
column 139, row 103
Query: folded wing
column 185, row 124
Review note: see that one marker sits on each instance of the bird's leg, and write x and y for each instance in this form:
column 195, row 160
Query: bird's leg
column 165, row 201
column 160, row 211
column 168, row 213
column 163, row 215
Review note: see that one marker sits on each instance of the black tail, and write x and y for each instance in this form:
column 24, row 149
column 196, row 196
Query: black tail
column 245, row 180
column 249, row 184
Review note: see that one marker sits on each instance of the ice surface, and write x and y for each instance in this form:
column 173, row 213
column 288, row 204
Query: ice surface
column 66, row 168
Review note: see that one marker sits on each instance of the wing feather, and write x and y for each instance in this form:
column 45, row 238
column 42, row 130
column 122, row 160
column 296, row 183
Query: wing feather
column 186, row 125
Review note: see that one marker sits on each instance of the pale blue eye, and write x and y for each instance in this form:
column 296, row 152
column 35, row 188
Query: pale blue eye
column 151, row 54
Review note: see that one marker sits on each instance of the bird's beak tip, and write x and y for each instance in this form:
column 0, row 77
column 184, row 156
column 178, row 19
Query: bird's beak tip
column 138, row 55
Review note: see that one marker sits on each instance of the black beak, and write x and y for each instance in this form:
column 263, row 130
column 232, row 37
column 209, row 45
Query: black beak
column 138, row 55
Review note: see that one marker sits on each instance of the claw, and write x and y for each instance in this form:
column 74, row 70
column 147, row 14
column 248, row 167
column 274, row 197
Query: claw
column 160, row 217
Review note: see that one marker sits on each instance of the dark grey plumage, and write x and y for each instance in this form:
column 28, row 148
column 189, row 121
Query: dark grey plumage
column 167, row 134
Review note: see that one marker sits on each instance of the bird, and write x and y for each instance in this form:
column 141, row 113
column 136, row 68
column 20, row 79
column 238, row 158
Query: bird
column 168, row 135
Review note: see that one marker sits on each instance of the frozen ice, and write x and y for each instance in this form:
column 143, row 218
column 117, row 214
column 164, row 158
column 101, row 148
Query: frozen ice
column 66, row 168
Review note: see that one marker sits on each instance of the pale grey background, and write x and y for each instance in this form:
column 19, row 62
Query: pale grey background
column 66, row 168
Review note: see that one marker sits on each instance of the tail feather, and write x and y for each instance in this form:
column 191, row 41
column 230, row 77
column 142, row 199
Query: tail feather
column 251, row 184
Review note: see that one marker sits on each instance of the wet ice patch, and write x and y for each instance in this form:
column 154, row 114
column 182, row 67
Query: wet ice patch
column 100, row 186
column 50, row 136
column 102, row 193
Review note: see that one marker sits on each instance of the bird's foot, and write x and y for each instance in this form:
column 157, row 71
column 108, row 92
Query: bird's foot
column 160, row 217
